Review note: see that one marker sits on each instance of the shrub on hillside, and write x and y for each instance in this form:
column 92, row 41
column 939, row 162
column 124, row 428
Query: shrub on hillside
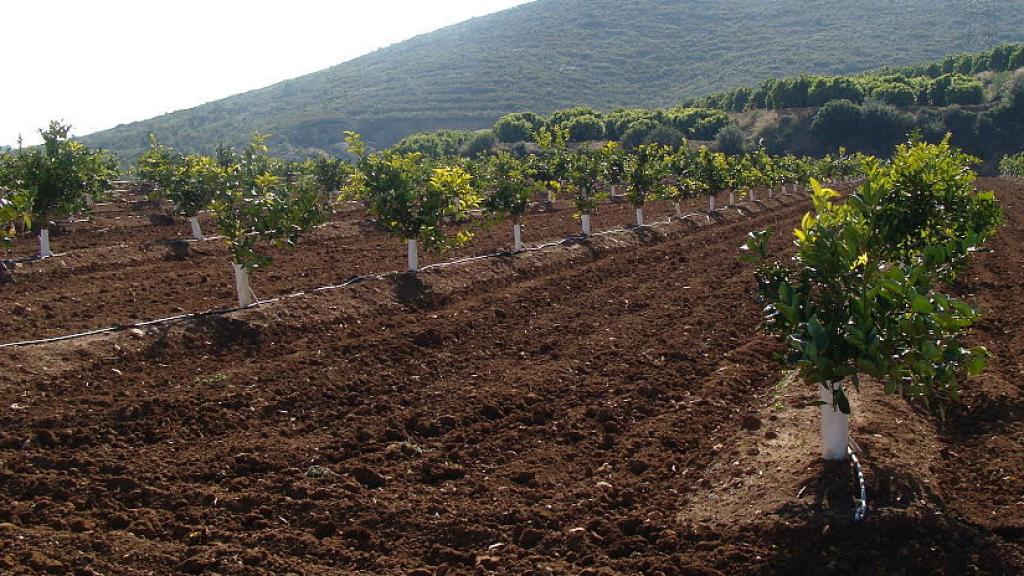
column 837, row 121
column 730, row 140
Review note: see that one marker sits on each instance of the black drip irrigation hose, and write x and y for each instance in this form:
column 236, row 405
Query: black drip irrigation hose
column 349, row 282
column 862, row 502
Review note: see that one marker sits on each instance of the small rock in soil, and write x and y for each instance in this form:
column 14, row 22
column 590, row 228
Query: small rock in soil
column 526, row 537
column 751, row 422
column 368, row 477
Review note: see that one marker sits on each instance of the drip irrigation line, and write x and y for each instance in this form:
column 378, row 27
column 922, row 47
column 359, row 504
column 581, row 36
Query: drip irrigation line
column 862, row 502
column 349, row 282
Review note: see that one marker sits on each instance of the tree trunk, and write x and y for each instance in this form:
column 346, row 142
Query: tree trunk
column 414, row 257
column 835, row 427
column 586, row 224
column 197, row 232
column 243, row 286
column 517, row 235
column 44, row 243
column 640, row 217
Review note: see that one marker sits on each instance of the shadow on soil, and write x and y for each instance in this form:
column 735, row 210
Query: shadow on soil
column 411, row 291
column 904, row 533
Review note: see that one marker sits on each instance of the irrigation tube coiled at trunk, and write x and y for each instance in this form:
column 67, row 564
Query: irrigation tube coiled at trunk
column 349, row 282
column 862, row 503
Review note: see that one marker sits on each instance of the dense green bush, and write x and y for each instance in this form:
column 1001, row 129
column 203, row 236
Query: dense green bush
column 481, row 141
column 584, row 128
column 730, row 140
column 837, row 121
column 1012, row 166
column 440, row 144
column 516, row 127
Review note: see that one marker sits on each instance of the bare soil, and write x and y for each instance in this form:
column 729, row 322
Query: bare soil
column 604, row 407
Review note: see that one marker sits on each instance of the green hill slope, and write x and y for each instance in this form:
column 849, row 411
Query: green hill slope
column 551, row 54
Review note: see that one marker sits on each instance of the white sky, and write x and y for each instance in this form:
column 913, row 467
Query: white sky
column 99, row 63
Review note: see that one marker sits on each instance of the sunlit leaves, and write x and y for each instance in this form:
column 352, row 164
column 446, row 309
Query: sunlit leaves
column 861, row 297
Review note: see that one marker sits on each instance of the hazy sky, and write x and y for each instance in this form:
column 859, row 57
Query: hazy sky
column 99, row 63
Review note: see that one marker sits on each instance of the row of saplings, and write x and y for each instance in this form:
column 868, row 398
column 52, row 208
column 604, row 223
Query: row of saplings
column 260, row 201
column 862, row 296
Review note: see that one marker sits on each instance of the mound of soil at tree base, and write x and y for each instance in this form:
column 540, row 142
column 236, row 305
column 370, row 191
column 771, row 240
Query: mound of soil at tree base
column 602, row 408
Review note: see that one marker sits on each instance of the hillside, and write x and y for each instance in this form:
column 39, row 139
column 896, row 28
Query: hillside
column 552, row 54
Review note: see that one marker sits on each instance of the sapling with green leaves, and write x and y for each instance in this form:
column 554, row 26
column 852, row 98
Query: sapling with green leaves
column 585, row 172
column 331, row 173
column 862, row 296
column 157, row 165
column 59, row 177
column 194, row 183
column 685, row 183
column 258, row 208
column 504, row 181
column 549, row 167
column 712, row 169
column 413, row 197
column 646, row 168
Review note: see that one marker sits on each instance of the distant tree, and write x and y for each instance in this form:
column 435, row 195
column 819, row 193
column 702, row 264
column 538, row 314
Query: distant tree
column 512, row 130
column 882, row 126
column 895, row 94
column 636, row 134
column 837, row 121
column 584, row 128
column 730, row 140
column 517, row 127
column 561, row 117
column 480, row 142
column 665, row 136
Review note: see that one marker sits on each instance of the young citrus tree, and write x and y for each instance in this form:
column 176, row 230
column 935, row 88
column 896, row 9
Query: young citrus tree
column 646, row 167
column 193, row 183
column 331, row 173
column 506, row 187
column 15, row 202
column 157, row 165
column 15, row 210
column 550, row 166
column 59, row 177
column 682, row 166
column 861, row 296
column 412, row 197
column 258, row 208
column 712, row 169
column 585, row 170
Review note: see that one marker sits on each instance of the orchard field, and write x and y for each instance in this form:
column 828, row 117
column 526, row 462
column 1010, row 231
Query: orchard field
column 601, row 407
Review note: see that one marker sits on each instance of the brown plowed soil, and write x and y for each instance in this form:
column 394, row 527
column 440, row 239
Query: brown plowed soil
column 115, row 269
column 607, row 407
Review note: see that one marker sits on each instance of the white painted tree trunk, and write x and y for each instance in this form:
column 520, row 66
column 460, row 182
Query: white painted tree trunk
column 711, row 203
column 586, row 224
column 197, row 232
column 732, row 198
column 753, row 195
column 679, row 210
column 243, row 286
column 640, row 217
column 414, row 257
column 835, row 428
column 771, row 192
column 44, row 243
column 517, row 235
